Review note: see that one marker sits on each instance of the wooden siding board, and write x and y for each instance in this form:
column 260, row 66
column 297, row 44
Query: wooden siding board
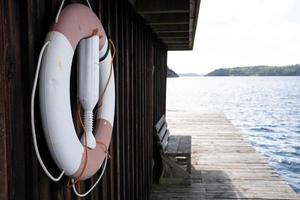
column 133, row 120
column 122, row 119
column 129, row 171
column 127, row 102
column 4, row 134
column 136, row 100
column 112, row 30
column 139, row 107
column 150, row 110
column 3, row 163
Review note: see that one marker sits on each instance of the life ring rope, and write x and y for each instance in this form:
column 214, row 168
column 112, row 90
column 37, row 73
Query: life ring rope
column 36, row 148
column 86, row 147
column 61, row 6
column 102, row 172
column 85, row 170
column 107, row 156
column 100, row 102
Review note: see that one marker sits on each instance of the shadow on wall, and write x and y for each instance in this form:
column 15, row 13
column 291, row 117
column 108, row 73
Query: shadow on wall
column 206, row 184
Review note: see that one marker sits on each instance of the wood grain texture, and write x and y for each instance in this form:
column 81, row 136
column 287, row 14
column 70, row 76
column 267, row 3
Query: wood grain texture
column 4, row 65
column 160, row 122
column 162, row 131
column 224, row 165
column 140, row 100
column 179, row 145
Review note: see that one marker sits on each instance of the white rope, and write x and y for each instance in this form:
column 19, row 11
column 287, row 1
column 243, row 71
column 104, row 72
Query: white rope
column 61, row 6
column 32, row 118
column 84, row 194
column 89, row 5
column 59, row 10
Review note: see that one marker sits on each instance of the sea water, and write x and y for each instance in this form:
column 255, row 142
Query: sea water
column 265, row 109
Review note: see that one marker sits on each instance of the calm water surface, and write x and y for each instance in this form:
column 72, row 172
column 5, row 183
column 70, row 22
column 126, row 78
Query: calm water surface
column 266, row 109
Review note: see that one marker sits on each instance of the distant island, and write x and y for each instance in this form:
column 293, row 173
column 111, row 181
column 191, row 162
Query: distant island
column 171, row 73
column 262, row 70
column 190, row 74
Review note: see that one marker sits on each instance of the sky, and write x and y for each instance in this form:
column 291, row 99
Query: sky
column 233, row 33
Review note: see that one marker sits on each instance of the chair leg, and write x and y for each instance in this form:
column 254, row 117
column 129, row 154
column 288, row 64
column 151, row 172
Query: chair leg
column 188, row 163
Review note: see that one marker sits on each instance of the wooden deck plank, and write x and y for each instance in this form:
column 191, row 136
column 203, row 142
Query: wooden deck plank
column 224, row 164
column 184, row 145
column 172, row 145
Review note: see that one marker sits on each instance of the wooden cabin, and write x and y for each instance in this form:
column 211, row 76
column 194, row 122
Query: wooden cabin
column 143, row 31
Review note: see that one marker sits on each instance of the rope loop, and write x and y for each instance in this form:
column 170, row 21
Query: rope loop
column 36, row 148
column 61, row 6
column 100, row 176
column 71, row 182
column 107, row 156
column 105, row 148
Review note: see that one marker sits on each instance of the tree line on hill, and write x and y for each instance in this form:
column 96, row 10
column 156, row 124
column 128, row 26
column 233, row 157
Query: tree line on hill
column 262, row 70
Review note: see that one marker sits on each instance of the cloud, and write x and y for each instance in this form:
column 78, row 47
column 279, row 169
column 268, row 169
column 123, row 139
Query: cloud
column 242, row 33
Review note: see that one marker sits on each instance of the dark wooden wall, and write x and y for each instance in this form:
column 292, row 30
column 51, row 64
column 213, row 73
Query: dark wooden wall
column 140, row 70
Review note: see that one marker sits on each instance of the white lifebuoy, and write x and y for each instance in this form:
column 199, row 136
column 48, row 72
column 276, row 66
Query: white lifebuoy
column 76, row 22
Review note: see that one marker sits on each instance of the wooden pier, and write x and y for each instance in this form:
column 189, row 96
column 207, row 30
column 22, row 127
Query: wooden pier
column 224, row 164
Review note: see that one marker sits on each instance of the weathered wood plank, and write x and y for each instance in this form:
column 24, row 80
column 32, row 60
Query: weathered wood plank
column 4, row 45
column 159, row 124
column 162, row 131
column 172, row 145
column 164, row 141
column 224, row 164
column 140, row 101
column 185, row 145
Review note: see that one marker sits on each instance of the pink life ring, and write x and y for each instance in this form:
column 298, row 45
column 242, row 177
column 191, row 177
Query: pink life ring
column 76, row 22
